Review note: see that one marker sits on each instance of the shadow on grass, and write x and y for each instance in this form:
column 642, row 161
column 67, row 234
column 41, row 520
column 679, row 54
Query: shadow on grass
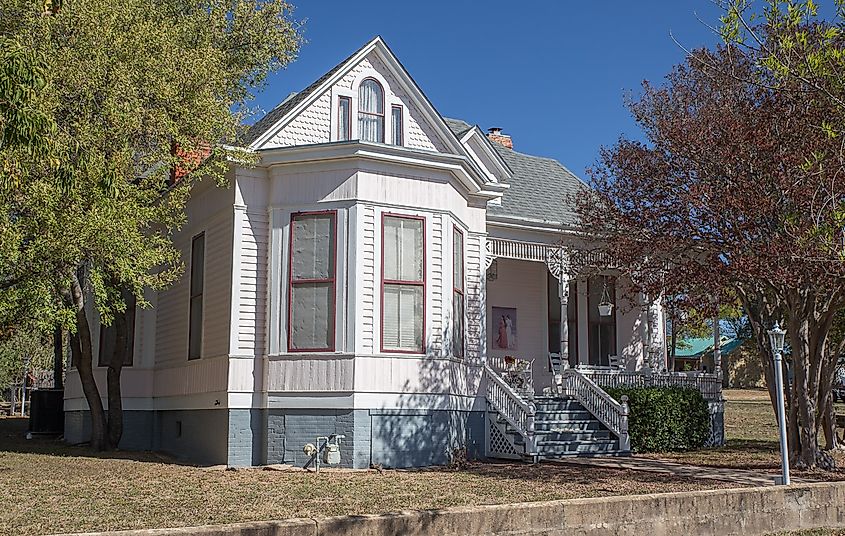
column 13, row 439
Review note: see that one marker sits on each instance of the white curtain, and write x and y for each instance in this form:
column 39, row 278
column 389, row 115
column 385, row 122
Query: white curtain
column 396, row 120
column 312, row 300
column 403, row 249
column 370, row 111
column 403, row 310
column 343, row 116
column 402, row 327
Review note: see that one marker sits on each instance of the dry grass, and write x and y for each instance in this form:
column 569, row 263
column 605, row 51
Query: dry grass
column 752, row 438
column 815, row 532
column 50, row 487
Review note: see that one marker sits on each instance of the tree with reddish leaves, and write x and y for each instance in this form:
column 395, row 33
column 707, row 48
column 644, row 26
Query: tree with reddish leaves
column 734, row 192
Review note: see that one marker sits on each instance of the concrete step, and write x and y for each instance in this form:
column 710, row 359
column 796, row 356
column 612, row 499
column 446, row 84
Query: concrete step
column 569, row 424
column 563, row 415
column 559, row 405
column 578, row 448
column 574, row 435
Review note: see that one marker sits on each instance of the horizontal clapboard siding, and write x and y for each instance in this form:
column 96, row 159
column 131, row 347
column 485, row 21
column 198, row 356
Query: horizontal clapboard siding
column 252, row 283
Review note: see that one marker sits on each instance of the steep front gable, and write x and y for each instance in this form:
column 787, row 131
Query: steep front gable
column 311, row 116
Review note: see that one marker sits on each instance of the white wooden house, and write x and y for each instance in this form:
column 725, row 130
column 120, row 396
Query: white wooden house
column 369, row 278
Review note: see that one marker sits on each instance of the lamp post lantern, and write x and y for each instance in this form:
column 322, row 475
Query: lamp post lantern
column 776, row 339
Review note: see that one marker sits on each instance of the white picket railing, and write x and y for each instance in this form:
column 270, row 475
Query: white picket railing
column 709, row 385
column 613, row 414
column 518, row 412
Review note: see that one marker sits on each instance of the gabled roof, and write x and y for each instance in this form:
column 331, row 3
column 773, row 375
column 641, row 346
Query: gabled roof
column 540, row 187
column 458, row 126
column 291, row 107
column 276, row 114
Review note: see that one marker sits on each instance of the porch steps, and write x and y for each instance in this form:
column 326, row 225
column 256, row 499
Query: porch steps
column 563, row 428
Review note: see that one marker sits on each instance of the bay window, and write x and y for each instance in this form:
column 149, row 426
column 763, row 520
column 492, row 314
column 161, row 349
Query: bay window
column 403, row 284
column 311, row 292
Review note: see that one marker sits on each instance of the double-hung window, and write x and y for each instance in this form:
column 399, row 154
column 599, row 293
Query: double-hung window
column 311, row 293
column 458, row 296
column 344, row 119
column 371, row 111
column 197, row 284
column 396, row 124
column 403, row 284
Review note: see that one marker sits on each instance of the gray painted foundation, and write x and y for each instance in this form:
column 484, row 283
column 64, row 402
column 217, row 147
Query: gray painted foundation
column 717, row 424
column 196, row 436
column 249, row 437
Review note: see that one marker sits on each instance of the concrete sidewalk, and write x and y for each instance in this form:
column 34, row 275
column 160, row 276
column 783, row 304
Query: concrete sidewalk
column 743, row 477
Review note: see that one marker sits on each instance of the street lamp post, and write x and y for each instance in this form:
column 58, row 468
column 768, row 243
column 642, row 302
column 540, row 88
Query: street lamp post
column 776, row 339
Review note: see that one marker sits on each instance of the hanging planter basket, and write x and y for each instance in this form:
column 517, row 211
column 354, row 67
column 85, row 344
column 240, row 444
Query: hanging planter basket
column 605, row 305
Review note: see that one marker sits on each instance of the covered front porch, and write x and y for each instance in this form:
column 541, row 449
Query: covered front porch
column 555, row 342
column 538, row 312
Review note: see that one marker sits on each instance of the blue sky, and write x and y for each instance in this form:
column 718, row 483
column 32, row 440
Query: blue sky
column 552, row 74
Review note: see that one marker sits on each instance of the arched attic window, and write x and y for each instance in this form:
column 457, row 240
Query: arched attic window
column 371, row 111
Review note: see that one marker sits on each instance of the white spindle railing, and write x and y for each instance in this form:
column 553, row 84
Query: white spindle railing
column 613, row 414
column 518, row 412
column 709, row 385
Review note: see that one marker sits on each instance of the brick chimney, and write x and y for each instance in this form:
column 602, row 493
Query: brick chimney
column 495, row 135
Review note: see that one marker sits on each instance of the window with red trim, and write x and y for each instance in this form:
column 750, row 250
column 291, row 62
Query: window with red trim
column 403, row 284
column 311, row 293
column 458, row 294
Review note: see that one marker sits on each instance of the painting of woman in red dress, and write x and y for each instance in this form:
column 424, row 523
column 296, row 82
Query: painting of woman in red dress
column 504, row 328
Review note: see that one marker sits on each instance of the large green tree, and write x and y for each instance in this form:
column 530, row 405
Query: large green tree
column 131, row 90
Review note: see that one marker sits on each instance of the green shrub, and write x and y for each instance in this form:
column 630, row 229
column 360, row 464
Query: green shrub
column 663, row 419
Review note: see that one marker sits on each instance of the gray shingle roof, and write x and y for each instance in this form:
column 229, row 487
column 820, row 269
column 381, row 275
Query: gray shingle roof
column 458, row 127
column 540, row 187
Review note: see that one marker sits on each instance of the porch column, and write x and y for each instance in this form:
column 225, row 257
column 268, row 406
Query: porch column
column 563, row 292
column 654, row 343
column 558, row 264
column 717, row 348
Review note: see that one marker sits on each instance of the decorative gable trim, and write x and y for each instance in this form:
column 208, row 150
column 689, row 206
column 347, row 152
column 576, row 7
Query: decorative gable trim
column 381, row 50
column 483, row 182
column 481, row 150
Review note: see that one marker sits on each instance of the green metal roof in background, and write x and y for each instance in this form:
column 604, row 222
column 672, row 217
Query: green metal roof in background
column 695, row 348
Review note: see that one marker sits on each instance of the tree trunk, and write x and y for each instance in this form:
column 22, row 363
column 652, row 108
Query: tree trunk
column 827, row 413
column 115, row 423
column 58, row 359
column 82, row 359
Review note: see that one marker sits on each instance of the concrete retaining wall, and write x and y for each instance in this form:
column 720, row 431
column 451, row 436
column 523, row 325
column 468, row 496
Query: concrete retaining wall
column 749, row 512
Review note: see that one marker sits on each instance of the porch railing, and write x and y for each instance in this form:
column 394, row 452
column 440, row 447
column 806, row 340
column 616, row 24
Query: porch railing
column 709, row 385
column 602, row 406
column 517, row 412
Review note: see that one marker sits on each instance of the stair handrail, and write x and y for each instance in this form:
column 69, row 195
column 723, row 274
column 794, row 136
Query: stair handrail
column 517, row 412
column 602, row 406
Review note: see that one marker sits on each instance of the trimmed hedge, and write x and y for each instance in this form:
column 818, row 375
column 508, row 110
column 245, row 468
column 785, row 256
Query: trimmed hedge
column 663, row 419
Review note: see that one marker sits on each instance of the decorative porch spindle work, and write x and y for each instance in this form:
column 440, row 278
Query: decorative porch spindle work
column 556, row 259
column 613, row 414
column 709, row 385
column 516, row 411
